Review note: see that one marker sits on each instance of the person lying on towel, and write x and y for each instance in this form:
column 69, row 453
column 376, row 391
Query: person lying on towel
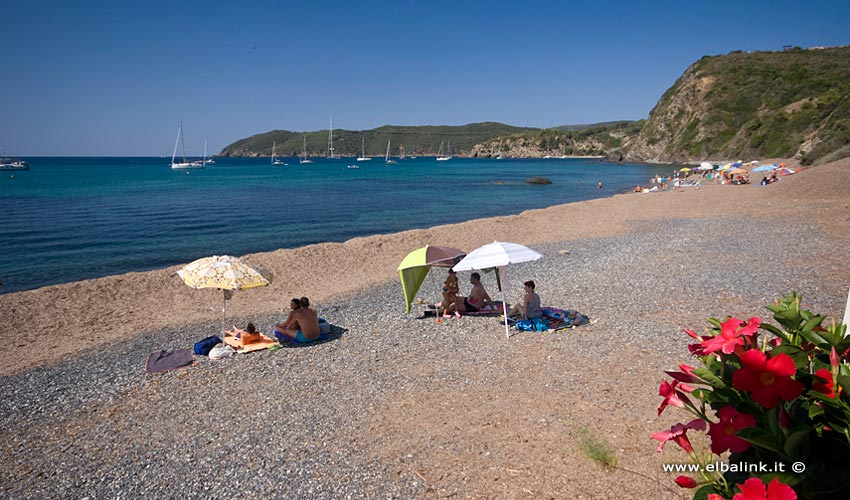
column 478, row 297
column 250, row 334
column 303, row 325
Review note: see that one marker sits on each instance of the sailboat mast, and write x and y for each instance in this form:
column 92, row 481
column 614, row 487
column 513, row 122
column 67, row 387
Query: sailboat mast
column 205, row 151
column 182, row 142
column 331, row 139
column 176, row 142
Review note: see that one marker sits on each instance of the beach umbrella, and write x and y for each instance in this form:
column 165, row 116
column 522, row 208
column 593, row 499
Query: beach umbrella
column 765, row 168
column 498, row 255
column 415, row 266
column 737, row 171
column 223, row 272
column 705, row 166
column 686, row 169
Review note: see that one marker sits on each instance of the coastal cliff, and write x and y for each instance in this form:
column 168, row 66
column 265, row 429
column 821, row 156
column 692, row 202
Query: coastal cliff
column 794, row 103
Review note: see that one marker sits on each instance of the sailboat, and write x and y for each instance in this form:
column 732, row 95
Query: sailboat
column 448, row 156
column 331, row 155
column 304, row 158
column 387, row 159
column 184, row 163
column 207, row 161
column 401, row 152
column 275, row 161
column 363, row 156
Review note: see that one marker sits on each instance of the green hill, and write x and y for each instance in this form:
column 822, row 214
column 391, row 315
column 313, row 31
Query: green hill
column 419, row 140
column 793, row 103
column 572, row 140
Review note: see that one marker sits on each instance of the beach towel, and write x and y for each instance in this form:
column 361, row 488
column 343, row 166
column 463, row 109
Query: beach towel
column 495, row 311
column 164, row 361
column 559, row 319
column 233, row 338
column 203, row 347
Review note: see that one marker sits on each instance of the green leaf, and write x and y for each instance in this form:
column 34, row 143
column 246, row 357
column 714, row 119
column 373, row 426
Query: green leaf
column 759, row 438
column 709, row 377
column 797, row 445
column 844, row 382
column 704, row 491
column 815, row 411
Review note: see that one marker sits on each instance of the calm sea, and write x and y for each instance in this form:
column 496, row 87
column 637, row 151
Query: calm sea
column 68, row 219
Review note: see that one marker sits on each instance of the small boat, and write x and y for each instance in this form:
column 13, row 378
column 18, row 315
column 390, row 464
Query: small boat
column 387, row 159
column 363, row 156
column 184, row 163
column 353, row 166
column 10, row 164
column 331, row 155
column 304, row 158
column 448, row 155
column 275, row 161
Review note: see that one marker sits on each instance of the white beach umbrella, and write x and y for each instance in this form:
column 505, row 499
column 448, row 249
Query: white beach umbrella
column 497, row 255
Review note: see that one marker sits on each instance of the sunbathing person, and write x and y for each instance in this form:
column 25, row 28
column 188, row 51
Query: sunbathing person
column 530, row 306
column 478, row 297
column 250, row 334
column 294, row 304
column 304, row 324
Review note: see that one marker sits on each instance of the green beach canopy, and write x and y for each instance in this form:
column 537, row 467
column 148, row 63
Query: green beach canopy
column 414, row 268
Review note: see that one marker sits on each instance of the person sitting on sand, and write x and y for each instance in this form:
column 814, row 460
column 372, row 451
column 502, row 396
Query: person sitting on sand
column 250, row 334
column 450, row 291
column 304, row 324
column 294, row 304
column 478, row 296
column 638, row 189
column 530, row 306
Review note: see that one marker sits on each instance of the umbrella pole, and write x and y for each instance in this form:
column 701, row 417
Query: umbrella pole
column 504, row 303
column 223, row 312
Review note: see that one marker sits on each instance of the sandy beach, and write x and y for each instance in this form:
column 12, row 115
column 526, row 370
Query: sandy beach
column 399, row 407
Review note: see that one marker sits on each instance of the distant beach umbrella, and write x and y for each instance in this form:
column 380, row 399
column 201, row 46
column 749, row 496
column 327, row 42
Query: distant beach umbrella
column 223, row 272
column 498, row 255
column 705, row 166
column 765, row 168
column 686, row 169
column 415, row 266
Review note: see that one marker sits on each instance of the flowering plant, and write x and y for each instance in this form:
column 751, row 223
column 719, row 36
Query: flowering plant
column 777, row 402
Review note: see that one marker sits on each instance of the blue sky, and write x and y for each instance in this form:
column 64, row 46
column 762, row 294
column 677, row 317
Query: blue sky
column 116, row 78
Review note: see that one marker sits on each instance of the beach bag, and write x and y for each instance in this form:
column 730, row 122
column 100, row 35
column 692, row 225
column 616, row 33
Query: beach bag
column 540, row 325
column 203, row 347
column 524, row 325
column 221, row 351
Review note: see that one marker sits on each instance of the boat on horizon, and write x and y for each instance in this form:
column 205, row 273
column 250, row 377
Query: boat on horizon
column 448, row 156
column 387, row 158
column 185, row 163
column 331, row 155
column 363, row 156
column 13, row 164
column 304, row 158
column 275, row 161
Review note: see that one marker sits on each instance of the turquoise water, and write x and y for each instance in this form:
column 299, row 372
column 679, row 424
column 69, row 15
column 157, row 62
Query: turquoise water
column 68, row 219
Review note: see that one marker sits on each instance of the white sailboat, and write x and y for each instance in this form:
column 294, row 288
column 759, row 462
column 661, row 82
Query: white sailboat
column 207, row 161
column 275, row 161
column 387, row 159
column 184, row 163
column 304, row 158
column 448, row 156
column 363, row 156
column 331, row 155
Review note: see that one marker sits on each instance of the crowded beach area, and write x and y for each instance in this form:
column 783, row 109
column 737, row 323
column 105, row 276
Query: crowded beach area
column 396, row 405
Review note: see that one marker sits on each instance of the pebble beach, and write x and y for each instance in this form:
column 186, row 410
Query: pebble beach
column 400, row 406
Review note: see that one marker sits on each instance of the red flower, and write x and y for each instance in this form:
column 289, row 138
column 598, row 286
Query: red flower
column 732, row 334
column 826, row 387
column 672, row 396
column 754, row 489
column 686, row 482
column 723, row 434
column 767, row 380
column 714, row 496
column 678, row 434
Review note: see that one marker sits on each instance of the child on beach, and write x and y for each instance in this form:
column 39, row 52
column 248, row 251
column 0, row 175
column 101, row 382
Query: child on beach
column 450, row 291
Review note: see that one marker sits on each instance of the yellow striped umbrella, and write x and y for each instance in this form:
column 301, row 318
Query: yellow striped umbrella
column 223, row 272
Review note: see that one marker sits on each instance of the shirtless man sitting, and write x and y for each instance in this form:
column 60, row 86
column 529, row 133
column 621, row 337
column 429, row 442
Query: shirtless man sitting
column 303, row 323
column 478, row 297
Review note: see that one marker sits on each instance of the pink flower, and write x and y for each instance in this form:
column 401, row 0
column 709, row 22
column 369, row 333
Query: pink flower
column 723, row 434
column 686, row 482
column 733, row 333
column 678, row 434
column 826, row 387
column 754, row 489
column 768, row 381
